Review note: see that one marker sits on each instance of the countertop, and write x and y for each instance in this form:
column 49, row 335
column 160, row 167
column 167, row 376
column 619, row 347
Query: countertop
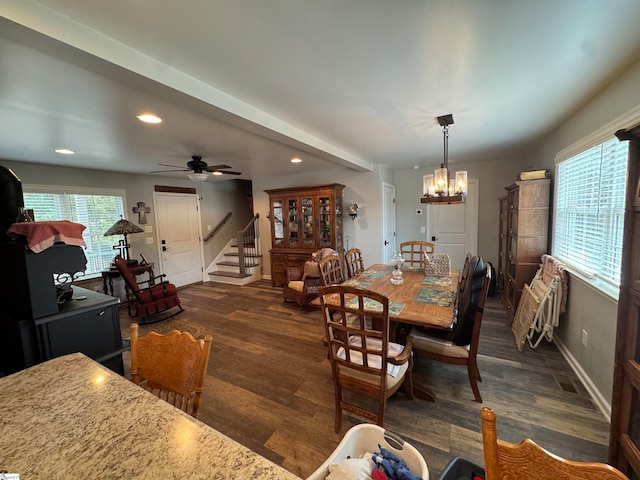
column 70, row 417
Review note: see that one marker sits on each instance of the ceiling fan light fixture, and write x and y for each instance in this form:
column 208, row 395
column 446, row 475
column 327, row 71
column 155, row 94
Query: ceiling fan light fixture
column 215, row 172
column 197, row 176
column 149, row 118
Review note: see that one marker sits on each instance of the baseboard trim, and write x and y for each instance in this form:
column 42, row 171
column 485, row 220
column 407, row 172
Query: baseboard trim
column 598, row 399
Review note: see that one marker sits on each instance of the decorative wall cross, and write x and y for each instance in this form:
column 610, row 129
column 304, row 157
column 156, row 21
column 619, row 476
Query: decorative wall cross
column 142, row 211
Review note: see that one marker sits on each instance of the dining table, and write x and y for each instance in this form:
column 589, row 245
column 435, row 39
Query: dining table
column 428, row 301
column 70, row 417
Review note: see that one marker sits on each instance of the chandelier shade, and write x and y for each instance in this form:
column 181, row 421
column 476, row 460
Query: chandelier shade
column 437, row 188
column 197, row 176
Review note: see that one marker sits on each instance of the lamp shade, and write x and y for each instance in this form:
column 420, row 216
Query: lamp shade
column 123, row 227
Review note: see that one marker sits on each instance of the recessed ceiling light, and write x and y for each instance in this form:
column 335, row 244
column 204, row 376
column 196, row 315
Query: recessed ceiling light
column 216, row 173
column 149, row 118
column 64, row 151
column 296, row 160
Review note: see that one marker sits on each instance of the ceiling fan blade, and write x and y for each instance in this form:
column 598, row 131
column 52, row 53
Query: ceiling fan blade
column 165, row 171
column 181, row 167
column 212, row 168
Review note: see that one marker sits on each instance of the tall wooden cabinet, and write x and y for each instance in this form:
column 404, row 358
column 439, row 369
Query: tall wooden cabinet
column 303, row 220
column 526, row 236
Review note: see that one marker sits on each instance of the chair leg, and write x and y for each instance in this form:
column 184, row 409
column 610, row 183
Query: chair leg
column 478, row 373
column 472, row 369
column 338, row 407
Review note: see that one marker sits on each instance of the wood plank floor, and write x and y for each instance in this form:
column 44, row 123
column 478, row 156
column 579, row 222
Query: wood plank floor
column 269, row 387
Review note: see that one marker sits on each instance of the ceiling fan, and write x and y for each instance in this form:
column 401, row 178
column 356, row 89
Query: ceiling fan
column 198, row 166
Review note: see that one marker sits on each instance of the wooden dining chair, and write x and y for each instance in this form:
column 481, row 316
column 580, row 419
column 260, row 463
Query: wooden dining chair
column 171, row 366
column 361, row 355
column 527, row 460
column 331, row 270
column 459, row 346
column 355, row 264
column 413, row 251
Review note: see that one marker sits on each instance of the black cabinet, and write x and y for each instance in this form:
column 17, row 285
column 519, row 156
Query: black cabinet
column 38, row 323
column 88, row 323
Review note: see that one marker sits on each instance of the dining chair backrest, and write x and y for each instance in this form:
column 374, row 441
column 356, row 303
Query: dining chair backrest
column 331, row 270
column 413, row 251
column 171, row 366
column 355, row 264
column 469, row 297
column 527, row 459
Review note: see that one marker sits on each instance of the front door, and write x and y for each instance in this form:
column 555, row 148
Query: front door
column 178, row 229
column 454, row 228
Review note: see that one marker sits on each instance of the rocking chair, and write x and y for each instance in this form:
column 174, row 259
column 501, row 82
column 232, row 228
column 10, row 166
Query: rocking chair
column 155, row 298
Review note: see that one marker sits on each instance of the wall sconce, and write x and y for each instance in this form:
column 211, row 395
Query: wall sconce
column 353, row 210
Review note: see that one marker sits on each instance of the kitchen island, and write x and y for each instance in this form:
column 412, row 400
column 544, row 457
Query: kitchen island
column 71, row 417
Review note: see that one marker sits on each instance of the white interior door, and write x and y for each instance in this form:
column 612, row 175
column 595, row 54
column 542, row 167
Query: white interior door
column 178, row 227
column 454, row 228
column 388, row 221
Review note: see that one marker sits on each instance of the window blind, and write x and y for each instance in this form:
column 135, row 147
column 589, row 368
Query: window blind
column 589, row 210
column 97, row 211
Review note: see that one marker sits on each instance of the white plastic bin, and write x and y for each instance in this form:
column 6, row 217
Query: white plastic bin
column 365, row 438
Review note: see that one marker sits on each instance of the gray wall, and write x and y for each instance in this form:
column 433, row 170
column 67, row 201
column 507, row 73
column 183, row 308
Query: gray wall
column 218, row 198
column 493, row 175
column 589, row 309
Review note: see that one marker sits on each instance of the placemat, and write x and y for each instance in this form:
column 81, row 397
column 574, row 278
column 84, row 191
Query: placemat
column 437, row 281
column 442, row 298
column 356, row 282
column 375, row 274
column 394, row 307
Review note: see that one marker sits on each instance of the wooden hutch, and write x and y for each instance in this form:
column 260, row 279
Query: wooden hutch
column 303, row 220
column 525, row 234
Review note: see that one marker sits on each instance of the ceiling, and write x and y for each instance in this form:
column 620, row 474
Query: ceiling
column 253, row 83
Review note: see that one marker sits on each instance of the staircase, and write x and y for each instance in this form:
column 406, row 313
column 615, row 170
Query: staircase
column 239, row 263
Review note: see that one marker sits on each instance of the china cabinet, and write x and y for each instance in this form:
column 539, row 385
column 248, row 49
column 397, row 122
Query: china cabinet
column 525, row 236
column 303, row 220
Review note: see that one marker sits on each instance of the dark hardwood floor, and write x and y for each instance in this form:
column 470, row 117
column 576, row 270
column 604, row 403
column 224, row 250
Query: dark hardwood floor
column 269, row 387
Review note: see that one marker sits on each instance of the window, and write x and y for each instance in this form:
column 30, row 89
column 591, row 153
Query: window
column 589, row 210
column 95, row 208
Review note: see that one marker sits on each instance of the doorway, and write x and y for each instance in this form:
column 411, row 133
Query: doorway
column 388, row 221
column 454, row 228
column 178, row 235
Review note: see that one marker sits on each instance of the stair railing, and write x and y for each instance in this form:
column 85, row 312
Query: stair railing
column 249, row 245
column 218, row 227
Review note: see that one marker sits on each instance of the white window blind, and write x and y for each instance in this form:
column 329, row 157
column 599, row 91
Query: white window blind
column 589, row 210
column 96, row 209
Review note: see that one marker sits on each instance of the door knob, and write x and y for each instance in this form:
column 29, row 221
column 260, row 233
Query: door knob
column 386, row 243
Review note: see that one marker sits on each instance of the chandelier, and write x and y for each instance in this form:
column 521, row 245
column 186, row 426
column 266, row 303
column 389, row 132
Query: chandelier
column 437, row 187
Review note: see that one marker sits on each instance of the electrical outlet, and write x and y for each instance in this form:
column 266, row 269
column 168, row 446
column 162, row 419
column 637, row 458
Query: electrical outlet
column 149, row 240
column 423, row 230
column 585, row 336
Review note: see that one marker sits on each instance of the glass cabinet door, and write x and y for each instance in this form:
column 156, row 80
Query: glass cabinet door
column 324, row 212
column 278, row 225
column 294, row 220
column 307, row 222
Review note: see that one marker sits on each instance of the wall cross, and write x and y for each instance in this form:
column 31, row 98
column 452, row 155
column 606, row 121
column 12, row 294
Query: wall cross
column 142, row 211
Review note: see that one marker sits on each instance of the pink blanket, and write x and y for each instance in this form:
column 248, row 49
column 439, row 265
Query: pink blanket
column 41, row 235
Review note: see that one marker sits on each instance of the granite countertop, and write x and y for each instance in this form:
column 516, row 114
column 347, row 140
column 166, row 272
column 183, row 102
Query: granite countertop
column 71, row 417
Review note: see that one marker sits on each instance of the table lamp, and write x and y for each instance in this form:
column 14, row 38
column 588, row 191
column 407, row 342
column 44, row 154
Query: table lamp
column 123, row 227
